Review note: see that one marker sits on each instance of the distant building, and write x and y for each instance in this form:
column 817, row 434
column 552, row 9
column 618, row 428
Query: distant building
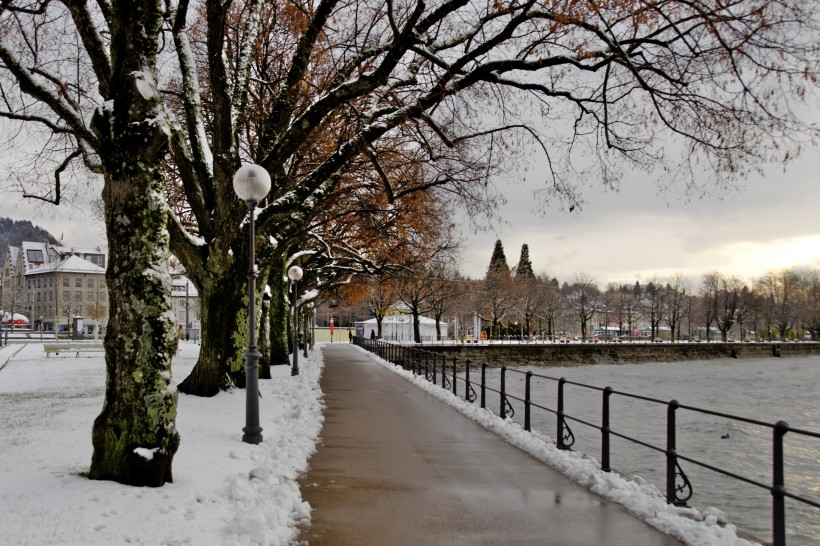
column 399, row 327
column 51, row 284
column 185, row 305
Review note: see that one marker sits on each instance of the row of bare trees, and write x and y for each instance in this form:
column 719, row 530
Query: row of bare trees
column 781, row 304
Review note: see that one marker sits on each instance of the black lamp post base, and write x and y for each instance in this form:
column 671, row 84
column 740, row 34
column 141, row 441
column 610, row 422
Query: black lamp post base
column 253, row 435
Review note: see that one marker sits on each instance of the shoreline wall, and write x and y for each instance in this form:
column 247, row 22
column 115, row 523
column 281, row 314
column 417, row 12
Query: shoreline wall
column 578, row 354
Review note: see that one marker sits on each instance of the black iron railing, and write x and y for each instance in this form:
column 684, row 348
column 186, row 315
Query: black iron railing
column 679, row 489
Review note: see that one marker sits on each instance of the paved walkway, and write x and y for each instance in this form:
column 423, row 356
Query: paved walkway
column 396, row 466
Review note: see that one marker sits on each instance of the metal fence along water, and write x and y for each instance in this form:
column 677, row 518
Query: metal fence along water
column 471, row 383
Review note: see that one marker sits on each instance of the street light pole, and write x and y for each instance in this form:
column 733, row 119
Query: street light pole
column 251, row 184
column 295, row 274
column 187, row 323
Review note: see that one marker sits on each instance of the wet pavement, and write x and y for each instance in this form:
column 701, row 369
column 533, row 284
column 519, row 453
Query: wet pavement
column 397, row 466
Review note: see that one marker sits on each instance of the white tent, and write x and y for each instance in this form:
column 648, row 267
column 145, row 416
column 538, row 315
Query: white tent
column 400, row 328
column 17, row 320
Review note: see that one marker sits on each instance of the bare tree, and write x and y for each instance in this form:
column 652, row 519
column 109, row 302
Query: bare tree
column 652, row 305
column 550, row 306
column 444, row 291
column 584, row 298
column 729, row 304
column 779, row 292
column 674, row 303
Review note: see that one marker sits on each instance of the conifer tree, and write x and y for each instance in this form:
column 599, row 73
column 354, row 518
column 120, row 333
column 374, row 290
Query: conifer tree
column 498, row 262
column 524, row 268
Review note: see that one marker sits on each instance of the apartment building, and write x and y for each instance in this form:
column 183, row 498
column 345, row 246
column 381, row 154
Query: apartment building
column 52, row 284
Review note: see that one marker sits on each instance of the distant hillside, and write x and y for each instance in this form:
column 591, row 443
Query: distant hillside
column 14, row 232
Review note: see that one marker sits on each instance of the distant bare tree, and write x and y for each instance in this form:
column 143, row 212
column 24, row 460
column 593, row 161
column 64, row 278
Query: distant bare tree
column 674, row 303
column 584, row 298
column 779, row 292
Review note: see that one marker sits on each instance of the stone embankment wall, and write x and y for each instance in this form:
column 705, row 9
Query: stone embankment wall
column 577, row 354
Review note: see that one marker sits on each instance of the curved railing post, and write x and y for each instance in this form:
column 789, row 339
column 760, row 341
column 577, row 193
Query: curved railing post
column 673, row 469
column 560, row 415
column 527, row 401
column 435, row 372
column 778, row 486
column 605, row 431
column 455, row 390
column 467, row 385
column 483, row 385
column 503, row 394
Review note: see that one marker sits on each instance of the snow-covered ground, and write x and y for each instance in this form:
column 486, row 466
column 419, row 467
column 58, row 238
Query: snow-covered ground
column 225, row 492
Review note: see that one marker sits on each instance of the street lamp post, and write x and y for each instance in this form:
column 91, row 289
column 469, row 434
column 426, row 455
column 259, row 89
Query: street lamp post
column 187, row 319
column 295, row 274
column 251, row 184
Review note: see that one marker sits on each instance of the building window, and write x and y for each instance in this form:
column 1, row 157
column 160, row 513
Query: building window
column 78, row 296
column 102, row 295
column 66, row 281
column 90, row 295
column 50, row 282
column 78, row 282
column 65, row 295
column 91, row 283
column 35, row 256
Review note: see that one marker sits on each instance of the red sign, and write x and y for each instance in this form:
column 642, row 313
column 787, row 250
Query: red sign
column 331, row 326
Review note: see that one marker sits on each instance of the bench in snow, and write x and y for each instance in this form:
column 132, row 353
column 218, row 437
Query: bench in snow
column 75, row 348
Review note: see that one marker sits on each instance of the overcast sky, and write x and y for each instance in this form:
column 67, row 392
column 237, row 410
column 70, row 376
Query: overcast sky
column 770, row 223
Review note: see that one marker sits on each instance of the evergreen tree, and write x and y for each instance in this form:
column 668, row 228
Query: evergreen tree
column 524, row 267
column 498, row 262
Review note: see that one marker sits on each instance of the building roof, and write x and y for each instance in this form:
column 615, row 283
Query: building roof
column 178, row 288
column 77, row 250
column 398, row 319
column 72, row 264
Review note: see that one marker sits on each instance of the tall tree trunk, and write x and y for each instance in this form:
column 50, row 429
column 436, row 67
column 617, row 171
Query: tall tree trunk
column 224, row 318
column 134, row 437
column 263, row 339
column 278, row 354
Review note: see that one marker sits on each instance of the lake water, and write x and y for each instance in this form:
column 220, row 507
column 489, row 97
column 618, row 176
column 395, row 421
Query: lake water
column 767, row 390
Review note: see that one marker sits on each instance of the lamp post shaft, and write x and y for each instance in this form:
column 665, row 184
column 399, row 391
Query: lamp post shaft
column 295, row 369
column 252, row 430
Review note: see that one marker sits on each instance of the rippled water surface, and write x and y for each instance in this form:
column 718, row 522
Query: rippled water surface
column 767, row 390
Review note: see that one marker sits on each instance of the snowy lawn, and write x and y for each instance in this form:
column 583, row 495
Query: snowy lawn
column 225, row 492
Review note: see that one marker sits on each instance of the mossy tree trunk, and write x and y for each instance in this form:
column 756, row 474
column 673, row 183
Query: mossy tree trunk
column 278, row 313
column 223, row 293
column 134, row 437
column 224, row 323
